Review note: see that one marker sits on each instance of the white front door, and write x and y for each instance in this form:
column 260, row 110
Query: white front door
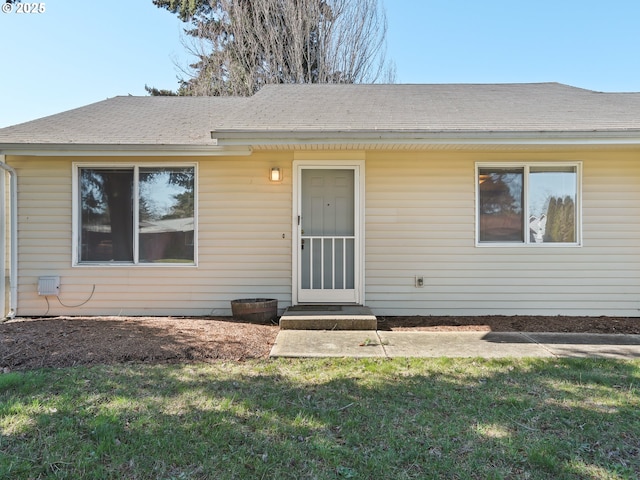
column 328, row 238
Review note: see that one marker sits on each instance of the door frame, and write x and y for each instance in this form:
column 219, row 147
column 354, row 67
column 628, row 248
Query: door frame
column 358, row 205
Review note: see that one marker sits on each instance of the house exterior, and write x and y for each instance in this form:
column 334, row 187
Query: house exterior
column 508, row 199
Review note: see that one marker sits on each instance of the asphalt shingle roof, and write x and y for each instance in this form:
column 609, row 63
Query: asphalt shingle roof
column 436, row 108
column 398, row 108
column 129, row 121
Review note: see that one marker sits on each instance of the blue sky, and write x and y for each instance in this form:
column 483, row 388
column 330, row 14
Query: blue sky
column 79, row 51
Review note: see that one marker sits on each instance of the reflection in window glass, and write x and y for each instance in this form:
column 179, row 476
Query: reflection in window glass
column 548, row 193
column 166, row 211
column 106, row 233
column 552, row 204
column 163, row 211
column 501, row 204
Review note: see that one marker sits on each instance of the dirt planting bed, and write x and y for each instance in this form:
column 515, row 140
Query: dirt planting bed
column 67, row 341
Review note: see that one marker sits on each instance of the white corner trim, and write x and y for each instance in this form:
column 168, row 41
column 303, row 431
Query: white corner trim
column 13, row 273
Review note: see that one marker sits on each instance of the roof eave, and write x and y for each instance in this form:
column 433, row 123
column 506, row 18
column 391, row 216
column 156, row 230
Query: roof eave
column 238, row 137
column 239, row 142
column 76, row 149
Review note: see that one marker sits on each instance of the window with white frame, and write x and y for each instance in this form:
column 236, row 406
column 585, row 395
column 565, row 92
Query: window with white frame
column 528, row 204
column 135, row 214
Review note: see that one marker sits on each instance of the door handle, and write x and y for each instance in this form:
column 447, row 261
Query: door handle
column 302, row 244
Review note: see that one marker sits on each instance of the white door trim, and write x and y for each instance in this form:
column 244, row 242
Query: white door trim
column 359, row 191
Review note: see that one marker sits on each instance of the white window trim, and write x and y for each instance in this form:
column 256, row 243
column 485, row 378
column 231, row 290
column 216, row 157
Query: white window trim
column 527, row 165
column 75, row 214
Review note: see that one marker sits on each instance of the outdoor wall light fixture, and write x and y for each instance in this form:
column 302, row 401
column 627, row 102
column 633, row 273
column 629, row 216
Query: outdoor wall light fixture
column 275, row 175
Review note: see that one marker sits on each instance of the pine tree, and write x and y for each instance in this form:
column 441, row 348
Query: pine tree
column 561, row 220
column 242, row 45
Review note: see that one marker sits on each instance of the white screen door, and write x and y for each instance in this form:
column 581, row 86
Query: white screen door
column 328, row 243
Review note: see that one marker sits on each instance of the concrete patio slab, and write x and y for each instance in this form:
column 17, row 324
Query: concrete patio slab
column 327, row 343
column 366, row 343
column 460, row 344
column 581, row 345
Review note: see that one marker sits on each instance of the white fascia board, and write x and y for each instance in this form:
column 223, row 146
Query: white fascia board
column 70, row 150
column 247, row 138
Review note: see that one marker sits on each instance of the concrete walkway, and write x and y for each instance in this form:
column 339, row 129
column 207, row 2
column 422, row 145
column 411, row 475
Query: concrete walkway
column 388, row 344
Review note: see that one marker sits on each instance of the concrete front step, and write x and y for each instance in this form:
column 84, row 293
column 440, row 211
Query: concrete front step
column 328, row 317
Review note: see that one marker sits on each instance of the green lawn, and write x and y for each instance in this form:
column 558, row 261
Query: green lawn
column 325, row 419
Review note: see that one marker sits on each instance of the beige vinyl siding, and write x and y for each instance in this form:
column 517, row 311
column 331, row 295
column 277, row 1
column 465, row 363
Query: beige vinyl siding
column 242, row 253
column 420, row 221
